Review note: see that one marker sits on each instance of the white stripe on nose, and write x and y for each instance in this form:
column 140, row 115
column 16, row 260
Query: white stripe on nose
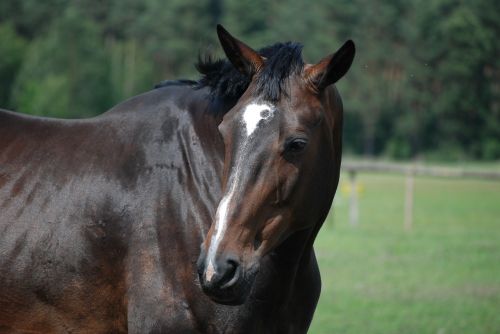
column 210, row 271
column 220, row 228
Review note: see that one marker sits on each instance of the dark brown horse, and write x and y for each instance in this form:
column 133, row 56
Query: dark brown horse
column 190, row 208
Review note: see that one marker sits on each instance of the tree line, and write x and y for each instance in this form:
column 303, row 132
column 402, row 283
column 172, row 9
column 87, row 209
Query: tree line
column 425, row 81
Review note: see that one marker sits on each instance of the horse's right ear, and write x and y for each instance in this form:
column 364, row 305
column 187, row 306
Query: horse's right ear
column 243, row 57
column 330, row 69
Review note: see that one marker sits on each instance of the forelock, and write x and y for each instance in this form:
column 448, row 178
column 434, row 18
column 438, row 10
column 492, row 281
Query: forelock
column 283, row 60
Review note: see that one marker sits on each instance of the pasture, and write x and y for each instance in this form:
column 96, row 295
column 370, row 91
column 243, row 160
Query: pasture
column 442, row 277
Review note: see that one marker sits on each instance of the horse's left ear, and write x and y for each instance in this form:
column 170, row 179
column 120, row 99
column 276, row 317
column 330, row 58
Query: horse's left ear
column 330, row 69
column 243, row 57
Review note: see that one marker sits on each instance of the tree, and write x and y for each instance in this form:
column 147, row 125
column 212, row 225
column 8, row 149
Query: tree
column 458, row 41
column 425, row 80
column 64, row 73
column 12, row 51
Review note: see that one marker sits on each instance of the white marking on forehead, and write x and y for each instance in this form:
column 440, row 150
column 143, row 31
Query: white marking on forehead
column 254, row 113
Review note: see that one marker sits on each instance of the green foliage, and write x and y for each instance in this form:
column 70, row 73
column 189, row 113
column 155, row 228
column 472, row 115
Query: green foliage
column 255, row 25
column 425, row 81
column 31, row 17
column 461, row 48
column 73, row 83
column 12, row 50
column 173, row 34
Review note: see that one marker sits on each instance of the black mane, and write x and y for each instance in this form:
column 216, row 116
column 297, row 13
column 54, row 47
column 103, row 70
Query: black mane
column 225, row 81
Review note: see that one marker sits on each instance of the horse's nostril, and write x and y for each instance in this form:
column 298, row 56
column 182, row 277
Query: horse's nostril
column 230, row 275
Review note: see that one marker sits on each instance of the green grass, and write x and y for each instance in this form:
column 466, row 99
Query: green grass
column 443, row 276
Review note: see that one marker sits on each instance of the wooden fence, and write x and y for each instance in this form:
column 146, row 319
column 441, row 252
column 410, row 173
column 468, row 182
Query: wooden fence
column 410, row 171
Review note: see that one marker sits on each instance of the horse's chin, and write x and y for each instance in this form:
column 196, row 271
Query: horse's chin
column 230, row 300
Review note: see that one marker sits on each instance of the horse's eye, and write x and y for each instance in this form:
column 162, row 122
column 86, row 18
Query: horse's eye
column 296, row 145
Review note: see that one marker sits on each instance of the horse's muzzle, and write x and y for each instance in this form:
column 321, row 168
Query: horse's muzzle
column 225, row 280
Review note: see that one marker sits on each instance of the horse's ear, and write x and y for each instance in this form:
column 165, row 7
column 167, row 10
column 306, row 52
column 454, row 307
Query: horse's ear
column 330, row 69
column 243, row 57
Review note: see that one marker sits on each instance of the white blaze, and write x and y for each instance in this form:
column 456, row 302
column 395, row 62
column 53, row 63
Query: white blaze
column 253, row 114
column 210, row 271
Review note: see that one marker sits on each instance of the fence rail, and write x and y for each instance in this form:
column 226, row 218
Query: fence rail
column 410, row 171
column 419, row 170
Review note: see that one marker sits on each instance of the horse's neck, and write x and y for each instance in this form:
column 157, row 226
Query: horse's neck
column 280, row 268
column 296, row 248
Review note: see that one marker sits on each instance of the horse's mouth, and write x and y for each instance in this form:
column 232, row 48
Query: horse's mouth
column 229, row 299
column 233, row 292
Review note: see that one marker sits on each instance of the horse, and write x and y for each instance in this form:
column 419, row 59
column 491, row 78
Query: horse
column 191, row 208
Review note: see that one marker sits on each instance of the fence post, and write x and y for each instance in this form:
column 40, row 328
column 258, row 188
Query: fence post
column 410, row 184
column 353, row 200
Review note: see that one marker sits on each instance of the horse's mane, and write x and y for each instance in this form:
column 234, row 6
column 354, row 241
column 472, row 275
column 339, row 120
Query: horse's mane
column 225, row 81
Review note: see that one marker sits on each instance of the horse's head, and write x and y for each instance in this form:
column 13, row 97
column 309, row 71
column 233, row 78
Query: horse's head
column 282, row 154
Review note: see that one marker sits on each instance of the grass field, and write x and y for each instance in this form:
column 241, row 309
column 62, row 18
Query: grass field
column 443, row 276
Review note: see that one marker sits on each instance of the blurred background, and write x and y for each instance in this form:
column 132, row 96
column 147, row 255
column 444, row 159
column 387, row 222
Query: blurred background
column 424, row 90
